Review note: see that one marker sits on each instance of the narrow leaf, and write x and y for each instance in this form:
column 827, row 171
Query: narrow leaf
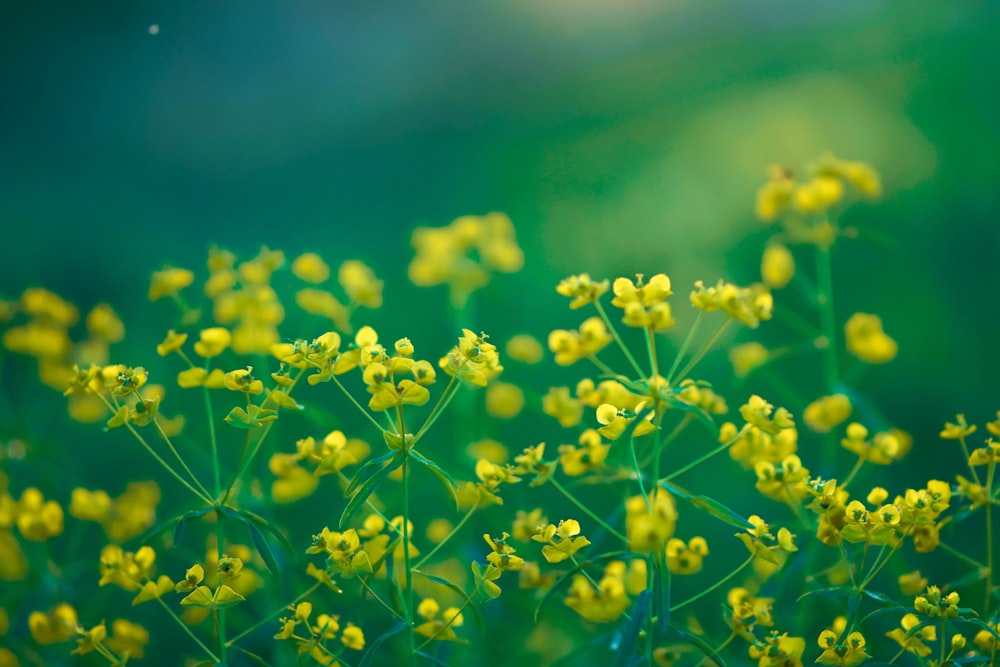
column 710, row 505
column 446, row 480
column 701, row 645
column 624, row 639
column 253, row 656
column 368, row 488
column 366, row 659
column 359, row 475
column 183, row 519
column 264, row 549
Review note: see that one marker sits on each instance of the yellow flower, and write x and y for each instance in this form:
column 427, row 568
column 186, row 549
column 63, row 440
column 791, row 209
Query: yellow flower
column 561, row 540
column 311, row 268
column 128, row 638
column 913, row 640
column 827, row 412
column 775, row 195
column 778, row 650
column 38, row 519
column 604, row 604
column 154, row 590
column 173, row 342
column 559, row 404
column 194, row 576
column 650, row 521
column 169, row 281
column 748, row 357
column 990, row 454
column 504, row 400
column 686, row 558
column 502, row 556
column 103, row 324
column 244, row 381
column 582, row 289
column 847, row 653
column 89, row 639
column 867, row 341
column 353, row 638
column 615, row 422
column 526, row 349
column 59, row 625
column 757, row 412
column 213, row 342
column 360, row 284
column 777, row 267
column 958, row 430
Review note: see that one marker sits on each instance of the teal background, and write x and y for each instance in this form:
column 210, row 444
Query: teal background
column 618, row 136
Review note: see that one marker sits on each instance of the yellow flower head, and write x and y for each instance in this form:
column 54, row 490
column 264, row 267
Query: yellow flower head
column 867, row 341
column 311, row 268
column 213, row 342
column 169, row 281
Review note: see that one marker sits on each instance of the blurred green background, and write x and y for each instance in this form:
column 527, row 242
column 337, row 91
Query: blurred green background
column 618, row 136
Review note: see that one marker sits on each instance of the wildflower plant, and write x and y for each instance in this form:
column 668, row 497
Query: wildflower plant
column 316, row 500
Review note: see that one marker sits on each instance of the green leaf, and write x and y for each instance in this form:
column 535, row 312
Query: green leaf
column 831, row 591
column 182, row 520
column 264, row 549
column 359, row 475
column 701, row 415
column 710, row 505
column 662, row 581
column 368, row 488
column 880, row 597
column 446, row 480
column 366, row 659
column 263, row 524
column 624, row 639
column 885, row 610
column 436, row 661
column 701, row 644
column 981, row 624
column 253, row 656
column 476, row 614
column 569, row 573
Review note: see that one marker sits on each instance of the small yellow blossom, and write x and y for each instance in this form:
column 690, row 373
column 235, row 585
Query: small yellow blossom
column 958, row 430
column 504, row 400
column 777, row 266
column 311, row 268
column 827, row 412
column 213, row 342
column 867, row 341
column 244, row 381
column 524, row 348
column 169, row 281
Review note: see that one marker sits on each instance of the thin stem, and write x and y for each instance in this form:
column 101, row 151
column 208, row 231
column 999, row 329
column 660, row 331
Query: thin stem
column 828, row 324
column 270, row 617
column 721, row 582
column 159, row 459
column 450, row 621
column 586, row 510
column 968, row 560
column 360, row 408
column 601, row 366
column 701, row 459
column 651, row 349
column 705, row 349
column 439, row 407
column 618, row 339
column 213, row 442
column 684, row 346
column 173, row 450
column 454, row 531
column 220, row 536
column 989, row 538
column 853, row 473
column 184, row 626
column 663, row 442
column 385, row 605
column 409, row 608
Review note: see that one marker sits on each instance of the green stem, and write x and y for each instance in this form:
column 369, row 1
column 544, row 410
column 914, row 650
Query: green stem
column 853, row 473
column 448, row 537
column 586, row 510
column 439, row 408
column 684, row 347
column 184, row 626
column 203, row 495
column 367, row 415
column 213, row 442
column 409, row 608
column 220, row 536
column 828, row 323
column 721, row 582
column 705, row 349
column 961, row 556
column 701, row 459
column 618, row 339
column 277, row 612
column 989, row 538
column 385, row 605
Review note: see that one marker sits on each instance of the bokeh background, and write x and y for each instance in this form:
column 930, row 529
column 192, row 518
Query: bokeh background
column 619, row 136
